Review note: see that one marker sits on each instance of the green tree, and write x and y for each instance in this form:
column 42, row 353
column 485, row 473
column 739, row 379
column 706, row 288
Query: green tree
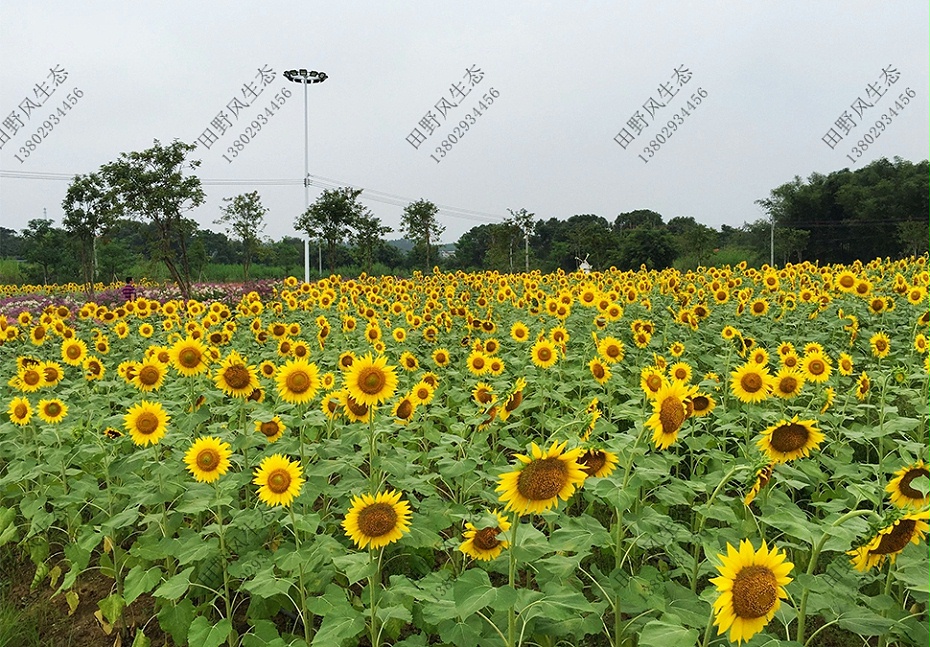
column 368, row 238
column 153, row 186
column 331, row 218
column 419, row 224
column 653, row 248
column 47, row 251
column 244, row 217
column 89, row 212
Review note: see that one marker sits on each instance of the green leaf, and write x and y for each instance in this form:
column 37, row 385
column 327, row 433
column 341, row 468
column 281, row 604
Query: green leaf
column 141, row 640
column 112, row 607
column 266, row 584
column 344, row 623
column 176, row 620
column 139, row 581
column 462, row 633
column 472, row 592
column 175, row 586
column 203, row 634
column 355, row 566
column 657, row 633
column 7, row 525
column 865, row 623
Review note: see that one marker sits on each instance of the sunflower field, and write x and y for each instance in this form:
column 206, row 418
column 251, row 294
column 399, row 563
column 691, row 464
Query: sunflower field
column 727, row 455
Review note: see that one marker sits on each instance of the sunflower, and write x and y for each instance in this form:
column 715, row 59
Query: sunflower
column 73, row 351
column 298, row 381
column 370, row 381
column 701, row 404
column 751, row 383
column 477, row 363
column 890, row 540
column 542, row 479
column 514, row 400
column 354, row 410
column 680, row 371
column 598, row 462
column 146, row 422
column 651, row 380
column 816, row 367
column 863, row 384
column 208, row 458
column 376, row 521
column 333, row 404
column 760, row 480
column 751, row 585
column 544, row 354
column 279, row 480
column 482, row 543
column 483, row 394
column 790, row 439
column 902, row 494
column 845, row 364
column 235, row 377
column 422, row 393
column 611, row 349
column 20, row 411
column 272, row 429
column 787, row 383
column 112, row 433
column 408, row 361
column 52, row 411
column 599, row 370
column 188, row 356
column 149, row 375
column 404, row 409
column 441, row 357
column 880, row 344
column 669, row 413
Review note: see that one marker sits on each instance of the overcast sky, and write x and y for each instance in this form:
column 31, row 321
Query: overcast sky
column 774, row 80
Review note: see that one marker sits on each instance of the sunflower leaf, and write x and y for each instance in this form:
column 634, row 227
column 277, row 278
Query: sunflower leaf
column 203, row 634
column 657, row 633
column 472, row 592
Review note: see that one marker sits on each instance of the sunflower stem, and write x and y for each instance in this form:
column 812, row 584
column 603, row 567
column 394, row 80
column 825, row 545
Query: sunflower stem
column 230, row 639
column 511, row 580
column 707, row 628
column 305, row 617
column 812, row 566
column 374, row 477
column 618, row 562
column 883, row 639
column 374, row 595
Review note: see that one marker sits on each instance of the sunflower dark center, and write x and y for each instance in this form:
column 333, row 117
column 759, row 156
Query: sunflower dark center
column 514, row 401
column 486, row 539
column 371, row 380
column 905, row 485
column 298, row 382
column 147, row 423
column 358, row 409
column 422, row 393
column 149, row 375
column 700, row 402
column 544, row 354
column 377, row 519
column 404, row 409
column 592, row 461
column 478, row 363
column 237, row 376
column 788, row 384
column 269, row 428
column 613, row 351
column 847, row 281
column 880, row 344
column 332, row 405
column 208, row 459
column 278, row 330
column 279, row 481
column 755, row 592
column 789, row 437
column 51, row 374
column 598, row 371
column 751, row 382
column 32, row 377
column 189, row 358
column 817, row 367
column 681, row 374
column 285, row 347
column 20, row 410
column 73, row 352
column 301, row 351
column 790, row 361
column 542, row 479
column 671, row 415
column 897, row 539
column 654, row 382
column 255, row 396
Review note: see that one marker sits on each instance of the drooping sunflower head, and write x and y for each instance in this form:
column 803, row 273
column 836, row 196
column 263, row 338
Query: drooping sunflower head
column 888, row 542
column 790, row 439
column 278, row 480
column 146, row 422
column 371, row 381
column 541, row 479
column 482, row 543
column 598, row 462
column 751, row 586
column 903, row 494
column 208, row 458
column 376, row 521
column 404, row 409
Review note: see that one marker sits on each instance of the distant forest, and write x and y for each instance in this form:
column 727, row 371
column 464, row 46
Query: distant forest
column 879, row 210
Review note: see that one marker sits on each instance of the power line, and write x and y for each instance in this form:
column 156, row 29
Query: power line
column 368, row 195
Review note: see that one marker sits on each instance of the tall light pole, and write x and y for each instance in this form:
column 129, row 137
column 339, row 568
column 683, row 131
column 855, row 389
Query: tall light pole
column 307, row 78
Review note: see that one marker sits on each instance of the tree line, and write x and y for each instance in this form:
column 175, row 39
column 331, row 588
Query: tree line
column 132, row 213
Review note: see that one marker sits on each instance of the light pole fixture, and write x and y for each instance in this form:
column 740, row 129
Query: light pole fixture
column 307, row 78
